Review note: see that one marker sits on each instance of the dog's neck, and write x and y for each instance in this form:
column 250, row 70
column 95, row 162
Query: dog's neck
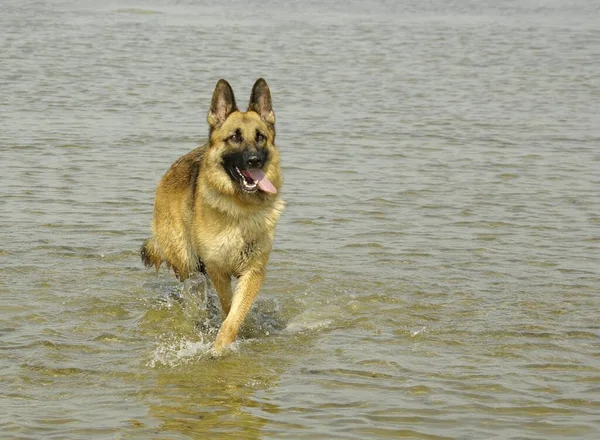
column 271, row 206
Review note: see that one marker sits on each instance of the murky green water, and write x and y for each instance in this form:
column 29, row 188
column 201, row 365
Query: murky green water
column 436, row 274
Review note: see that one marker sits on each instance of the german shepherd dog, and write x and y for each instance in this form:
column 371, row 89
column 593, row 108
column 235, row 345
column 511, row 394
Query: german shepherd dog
column 216, row 208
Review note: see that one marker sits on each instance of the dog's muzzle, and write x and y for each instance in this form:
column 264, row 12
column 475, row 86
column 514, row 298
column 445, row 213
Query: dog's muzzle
column 245, row 167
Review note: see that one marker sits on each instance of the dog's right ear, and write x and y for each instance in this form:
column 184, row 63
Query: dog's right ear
column 222, row 105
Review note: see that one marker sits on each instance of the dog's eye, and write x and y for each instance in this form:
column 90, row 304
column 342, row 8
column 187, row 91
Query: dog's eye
column 236, row 137
column 260, row 138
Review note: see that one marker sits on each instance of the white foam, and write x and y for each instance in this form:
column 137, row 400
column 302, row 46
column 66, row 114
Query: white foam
column 418, row 332
column 299, row 327
column 175, row 352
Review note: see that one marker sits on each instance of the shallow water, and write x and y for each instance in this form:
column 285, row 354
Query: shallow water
column 435, row 275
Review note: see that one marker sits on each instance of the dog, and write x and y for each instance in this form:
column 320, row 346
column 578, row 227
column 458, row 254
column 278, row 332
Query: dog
column 216, row 208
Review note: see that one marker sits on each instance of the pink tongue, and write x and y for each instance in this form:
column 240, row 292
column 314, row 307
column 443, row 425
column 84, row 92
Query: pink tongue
column 263, row 183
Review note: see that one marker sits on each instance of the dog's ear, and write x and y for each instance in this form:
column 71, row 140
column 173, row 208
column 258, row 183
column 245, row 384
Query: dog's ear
column 260, row 101
column 222, row 105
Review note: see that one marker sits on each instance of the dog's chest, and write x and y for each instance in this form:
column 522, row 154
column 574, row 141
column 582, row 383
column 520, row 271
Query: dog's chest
column 234, row 246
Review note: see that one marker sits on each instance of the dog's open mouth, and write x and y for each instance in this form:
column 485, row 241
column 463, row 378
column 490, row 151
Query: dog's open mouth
column 252, row 180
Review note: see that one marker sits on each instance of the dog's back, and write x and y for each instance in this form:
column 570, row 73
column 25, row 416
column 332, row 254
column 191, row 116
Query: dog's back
column 173, row 216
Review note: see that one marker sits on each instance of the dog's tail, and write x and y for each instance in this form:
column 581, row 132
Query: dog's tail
column 150, row 254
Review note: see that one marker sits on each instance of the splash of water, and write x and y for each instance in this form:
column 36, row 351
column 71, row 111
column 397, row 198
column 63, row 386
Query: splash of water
column 172, row 352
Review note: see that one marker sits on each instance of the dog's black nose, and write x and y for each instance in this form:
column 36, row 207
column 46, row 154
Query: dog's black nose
column 254, row 161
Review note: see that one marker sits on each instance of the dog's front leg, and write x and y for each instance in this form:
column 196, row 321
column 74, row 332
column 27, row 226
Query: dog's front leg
column 222, row 283
column 246, row 290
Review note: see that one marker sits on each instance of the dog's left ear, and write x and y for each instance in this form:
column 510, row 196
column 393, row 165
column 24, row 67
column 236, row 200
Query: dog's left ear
column 260, row 101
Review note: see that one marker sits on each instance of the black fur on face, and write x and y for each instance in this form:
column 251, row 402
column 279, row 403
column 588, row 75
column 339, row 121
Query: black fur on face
column 247, row 159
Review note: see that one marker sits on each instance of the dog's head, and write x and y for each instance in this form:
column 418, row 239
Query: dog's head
column 242, row 159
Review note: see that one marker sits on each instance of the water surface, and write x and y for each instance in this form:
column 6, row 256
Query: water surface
column 436, row 272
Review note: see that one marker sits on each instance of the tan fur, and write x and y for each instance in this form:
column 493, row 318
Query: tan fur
column 202, row 217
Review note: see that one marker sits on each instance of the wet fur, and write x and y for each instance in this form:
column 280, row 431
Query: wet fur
column 204, row 221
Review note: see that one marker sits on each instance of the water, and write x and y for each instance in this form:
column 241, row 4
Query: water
column 435, row 275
